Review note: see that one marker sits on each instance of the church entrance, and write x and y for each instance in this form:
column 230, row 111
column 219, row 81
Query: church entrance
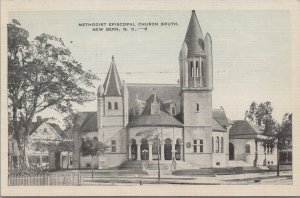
column 178, row 149
column 231, row 151
column 144, row 149
column 133, row 150
column 155, row 150
column 168, row 149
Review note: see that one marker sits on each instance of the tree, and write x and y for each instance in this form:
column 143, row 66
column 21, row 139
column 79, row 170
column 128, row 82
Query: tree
column 277, row 133
column 42, row 74
column 261, row 115
column 92, row 148
column 281, row 135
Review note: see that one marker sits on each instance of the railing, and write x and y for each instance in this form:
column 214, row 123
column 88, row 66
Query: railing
column 68, row 179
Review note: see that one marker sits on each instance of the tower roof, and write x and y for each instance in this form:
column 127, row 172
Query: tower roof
column 194, row 37
column 112, row 84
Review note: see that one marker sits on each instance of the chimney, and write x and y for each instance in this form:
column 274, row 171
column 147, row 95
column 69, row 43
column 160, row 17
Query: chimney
column 39, row 119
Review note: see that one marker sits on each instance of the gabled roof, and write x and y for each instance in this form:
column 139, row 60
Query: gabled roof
column 164, row 91
column 35, row 125
column 217, row 127
column 194, row 38
column 87, row 121
column 112, row 84
column 67, row 133
column 153, row 98
column 220, row 116
column 244, row 129
column 56, row 127
column 148, row 119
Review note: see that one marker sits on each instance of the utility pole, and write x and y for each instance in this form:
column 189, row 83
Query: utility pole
column 158, row 165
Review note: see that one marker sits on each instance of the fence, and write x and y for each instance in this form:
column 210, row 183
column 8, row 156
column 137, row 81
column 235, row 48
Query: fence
column 69, row 179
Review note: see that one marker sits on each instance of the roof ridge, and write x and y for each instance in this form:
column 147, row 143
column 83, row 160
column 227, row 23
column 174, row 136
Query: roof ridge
column 151, row 84
column 219, row 123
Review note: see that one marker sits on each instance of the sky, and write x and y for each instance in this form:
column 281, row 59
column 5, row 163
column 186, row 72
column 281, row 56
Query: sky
column 251, row 51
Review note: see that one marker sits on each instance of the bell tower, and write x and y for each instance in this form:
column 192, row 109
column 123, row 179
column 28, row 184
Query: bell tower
column 196, row 85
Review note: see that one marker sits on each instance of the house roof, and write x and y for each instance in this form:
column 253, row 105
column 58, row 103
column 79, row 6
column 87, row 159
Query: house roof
column 67, row 133
column 194, row 38
column 35, row 125
column 112, row 84
column 244, row 129
column 56, row 127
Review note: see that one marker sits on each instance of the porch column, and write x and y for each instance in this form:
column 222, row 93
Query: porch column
column 150, row 151
column 173, row 151
column 162, row 151
column 129, row 152
column 181, row 151
column 138, row 152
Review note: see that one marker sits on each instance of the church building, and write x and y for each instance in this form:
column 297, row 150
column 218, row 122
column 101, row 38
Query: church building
column 147, row 122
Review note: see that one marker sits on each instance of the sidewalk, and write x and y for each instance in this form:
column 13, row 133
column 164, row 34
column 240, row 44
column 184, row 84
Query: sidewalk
column 237, row 179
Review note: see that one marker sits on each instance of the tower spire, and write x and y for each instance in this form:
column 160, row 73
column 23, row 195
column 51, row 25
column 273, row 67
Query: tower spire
column 112, row 84
column 194, row 37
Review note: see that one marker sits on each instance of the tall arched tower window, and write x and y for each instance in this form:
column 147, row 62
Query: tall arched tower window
column 191, row 69
column 201, row 68
column 197, row 69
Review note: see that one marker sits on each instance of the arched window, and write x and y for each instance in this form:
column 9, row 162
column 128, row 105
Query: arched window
column 212, row 145
column 116, row 105
column 191, row 69
column 217, row 145
column 222, row 145
column 197, row 69
column 109, row 105
column 247, row 148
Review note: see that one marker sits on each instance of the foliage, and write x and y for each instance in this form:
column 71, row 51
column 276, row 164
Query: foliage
column 42, row 74
column 260, row 114
column 67, row 146
column 28, row 170
column 91, row 147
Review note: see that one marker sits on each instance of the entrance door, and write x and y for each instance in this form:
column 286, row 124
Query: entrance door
column 178, row 149
column 168, row 149
column 57, row 160
column 144, row 150
column 231, row 151
column 133, row 152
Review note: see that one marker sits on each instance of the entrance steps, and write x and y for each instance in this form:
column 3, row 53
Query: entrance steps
column 238, row 163
column 151, row 167
column 264, row 168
